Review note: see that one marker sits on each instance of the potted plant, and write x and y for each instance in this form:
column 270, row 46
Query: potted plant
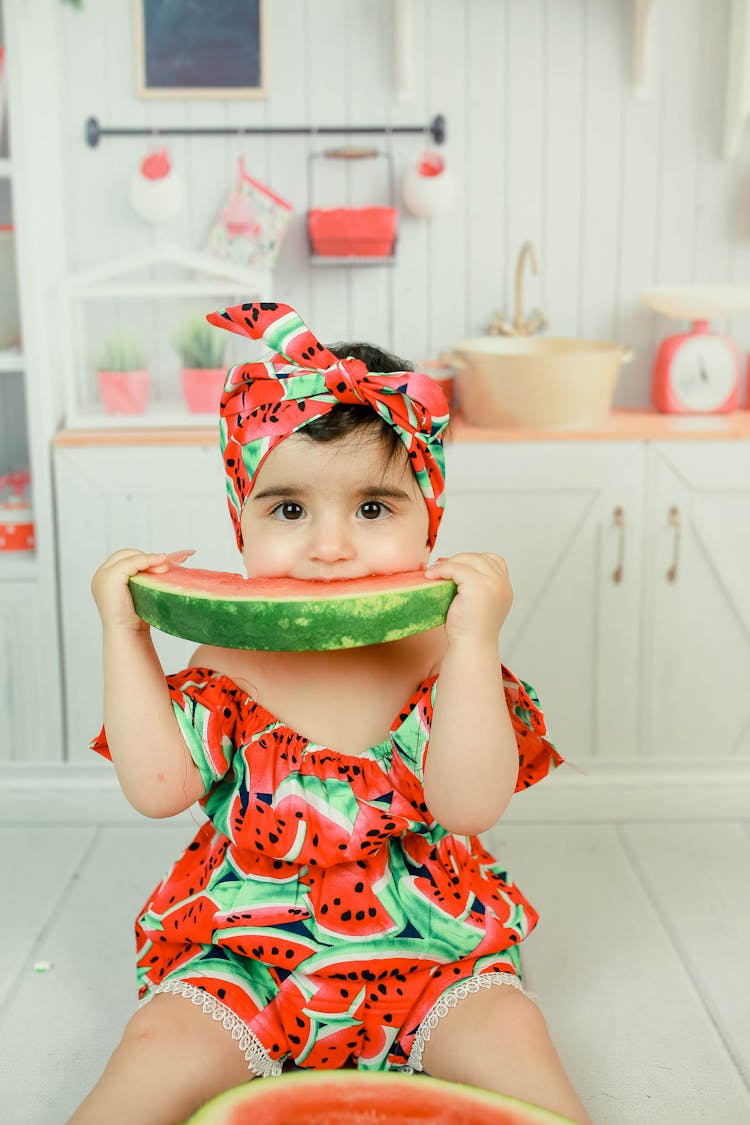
column 122, row 375
column 201, row 349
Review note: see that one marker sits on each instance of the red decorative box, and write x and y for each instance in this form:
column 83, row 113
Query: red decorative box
column 349, row 232
column 16, row 521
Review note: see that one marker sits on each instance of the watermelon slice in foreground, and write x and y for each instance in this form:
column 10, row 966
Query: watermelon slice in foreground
column 289, row 614
column 351, row 1097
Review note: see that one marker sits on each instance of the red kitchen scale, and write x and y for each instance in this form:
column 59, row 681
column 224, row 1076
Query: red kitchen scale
column 698, row 371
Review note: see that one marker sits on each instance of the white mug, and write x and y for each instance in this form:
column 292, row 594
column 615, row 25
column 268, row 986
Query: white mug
column 428, row 188
column 156, row 191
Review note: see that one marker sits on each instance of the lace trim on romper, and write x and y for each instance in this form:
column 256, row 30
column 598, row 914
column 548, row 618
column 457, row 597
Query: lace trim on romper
column 258, row 1060
column 449, row 1000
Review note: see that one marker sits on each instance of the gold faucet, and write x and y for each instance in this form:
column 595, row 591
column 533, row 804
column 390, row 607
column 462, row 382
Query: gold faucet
column 500, row 326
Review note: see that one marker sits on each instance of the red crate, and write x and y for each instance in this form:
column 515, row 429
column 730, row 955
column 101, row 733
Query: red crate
column 353, row 232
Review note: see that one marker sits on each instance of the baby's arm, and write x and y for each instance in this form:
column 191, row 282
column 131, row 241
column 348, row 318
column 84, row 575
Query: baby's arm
column 472, row 764
column 153, row 764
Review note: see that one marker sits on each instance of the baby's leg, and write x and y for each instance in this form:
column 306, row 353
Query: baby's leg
column 497, row 1039
column 172, row 1058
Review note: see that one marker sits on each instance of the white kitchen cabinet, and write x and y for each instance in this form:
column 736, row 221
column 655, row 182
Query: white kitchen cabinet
column 696, row 620
column 31, row 726
column 568, row 518
column 151, row 497
column 628, row 665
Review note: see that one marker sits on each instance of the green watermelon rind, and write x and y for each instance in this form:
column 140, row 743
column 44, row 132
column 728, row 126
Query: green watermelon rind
column 220, row 1110
column 336, row 619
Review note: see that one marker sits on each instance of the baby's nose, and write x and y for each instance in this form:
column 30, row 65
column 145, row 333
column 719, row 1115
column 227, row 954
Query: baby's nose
column 332, row 541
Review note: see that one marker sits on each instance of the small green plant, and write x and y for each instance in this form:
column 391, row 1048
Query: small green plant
column 199, row 344
column 121, row 352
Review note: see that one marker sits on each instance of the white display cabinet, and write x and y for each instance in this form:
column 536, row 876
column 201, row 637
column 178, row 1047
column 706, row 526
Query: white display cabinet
column 31, row 172
column 147, row 298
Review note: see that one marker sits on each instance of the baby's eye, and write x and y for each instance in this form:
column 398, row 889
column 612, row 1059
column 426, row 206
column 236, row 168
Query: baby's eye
column 288, row 510
column 373, row 510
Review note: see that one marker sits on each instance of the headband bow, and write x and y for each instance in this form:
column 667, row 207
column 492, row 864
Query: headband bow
column 266, row 401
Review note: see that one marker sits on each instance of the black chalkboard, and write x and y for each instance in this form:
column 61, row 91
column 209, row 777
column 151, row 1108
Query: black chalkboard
column 200, row 48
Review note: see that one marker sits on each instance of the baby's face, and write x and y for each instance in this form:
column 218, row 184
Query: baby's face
column 334, row 510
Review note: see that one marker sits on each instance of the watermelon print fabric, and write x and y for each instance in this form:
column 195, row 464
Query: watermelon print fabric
column 321, row 910
column 265, row 402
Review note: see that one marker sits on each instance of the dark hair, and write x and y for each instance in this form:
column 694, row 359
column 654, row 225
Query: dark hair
column 345, row 419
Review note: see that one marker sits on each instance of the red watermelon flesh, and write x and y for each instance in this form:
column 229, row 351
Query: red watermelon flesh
column 350, row 1097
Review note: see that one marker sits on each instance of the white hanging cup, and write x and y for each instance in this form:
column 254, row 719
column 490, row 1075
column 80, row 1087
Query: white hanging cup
column 156, row 191
column 428, row 188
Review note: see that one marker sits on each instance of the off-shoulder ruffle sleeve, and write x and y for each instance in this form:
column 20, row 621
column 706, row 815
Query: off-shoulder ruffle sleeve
column 207, row 708
column 537, row 756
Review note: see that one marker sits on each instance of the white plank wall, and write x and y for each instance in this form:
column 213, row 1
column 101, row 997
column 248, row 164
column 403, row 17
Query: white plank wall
column 545, row 139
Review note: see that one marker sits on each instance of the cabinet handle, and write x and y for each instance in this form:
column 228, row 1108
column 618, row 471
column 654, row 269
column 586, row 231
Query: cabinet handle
column 619, row 521
column 674, row 522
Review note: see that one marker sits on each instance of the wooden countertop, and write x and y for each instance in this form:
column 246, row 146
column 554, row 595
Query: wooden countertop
column 622, row 425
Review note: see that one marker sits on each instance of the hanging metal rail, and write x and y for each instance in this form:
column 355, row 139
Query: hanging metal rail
column 94, row 131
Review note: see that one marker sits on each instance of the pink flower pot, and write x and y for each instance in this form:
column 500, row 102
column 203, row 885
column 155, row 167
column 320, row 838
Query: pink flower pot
column 202, row 387
column 124, row 392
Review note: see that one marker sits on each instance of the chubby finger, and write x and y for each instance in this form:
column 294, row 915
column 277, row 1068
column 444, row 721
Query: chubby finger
column 463, row 566
column 119, row 556
column 135, row 561
column 174, row 558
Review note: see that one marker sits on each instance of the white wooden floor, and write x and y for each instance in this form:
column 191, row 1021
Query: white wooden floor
column 641, row 960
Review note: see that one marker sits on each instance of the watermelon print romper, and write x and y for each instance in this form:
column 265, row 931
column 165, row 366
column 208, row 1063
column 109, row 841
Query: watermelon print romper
column 321, row 913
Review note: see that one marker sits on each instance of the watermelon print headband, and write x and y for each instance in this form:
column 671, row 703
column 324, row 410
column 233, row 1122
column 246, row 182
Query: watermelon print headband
column 265, row 402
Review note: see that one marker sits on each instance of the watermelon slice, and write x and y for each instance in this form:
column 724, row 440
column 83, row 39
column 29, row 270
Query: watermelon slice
column 289, row 614
column 351, row 1097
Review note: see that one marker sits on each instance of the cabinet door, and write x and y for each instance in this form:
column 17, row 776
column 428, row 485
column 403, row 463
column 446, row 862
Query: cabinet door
column 566, row 516
column 697, row 619
column 24, row 719
column 154, row 498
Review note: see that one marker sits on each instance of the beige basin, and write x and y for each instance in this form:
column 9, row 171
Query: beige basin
column 537, row 382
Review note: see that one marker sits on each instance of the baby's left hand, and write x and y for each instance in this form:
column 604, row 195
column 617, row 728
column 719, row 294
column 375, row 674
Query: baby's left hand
column 484, row 595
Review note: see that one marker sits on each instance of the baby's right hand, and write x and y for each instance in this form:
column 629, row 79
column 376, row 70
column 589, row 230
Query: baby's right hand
column 110, row 585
